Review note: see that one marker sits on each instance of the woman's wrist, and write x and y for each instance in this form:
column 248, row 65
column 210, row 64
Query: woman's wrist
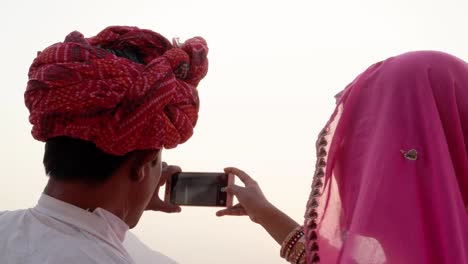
column 275, row 222
column 265, row 213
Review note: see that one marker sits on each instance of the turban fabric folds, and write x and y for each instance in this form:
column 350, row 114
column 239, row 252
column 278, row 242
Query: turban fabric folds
column 124, row 89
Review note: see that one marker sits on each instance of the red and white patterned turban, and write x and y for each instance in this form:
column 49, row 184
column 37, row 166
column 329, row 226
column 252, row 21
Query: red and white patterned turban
column 85, row 88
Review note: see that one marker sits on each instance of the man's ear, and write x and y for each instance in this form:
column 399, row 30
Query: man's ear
column 138, row 160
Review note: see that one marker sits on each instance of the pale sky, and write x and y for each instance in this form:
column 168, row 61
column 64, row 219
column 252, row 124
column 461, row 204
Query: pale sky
column 274, row 69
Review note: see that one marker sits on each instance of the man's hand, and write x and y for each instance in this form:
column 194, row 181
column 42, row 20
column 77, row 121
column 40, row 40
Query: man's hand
column 156, row 203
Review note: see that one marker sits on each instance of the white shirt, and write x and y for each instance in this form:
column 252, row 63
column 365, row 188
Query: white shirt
column 55, row 232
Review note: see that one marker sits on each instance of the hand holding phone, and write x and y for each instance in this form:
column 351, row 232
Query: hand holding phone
column 199, row 189
column 156, row 203
column 252, row 201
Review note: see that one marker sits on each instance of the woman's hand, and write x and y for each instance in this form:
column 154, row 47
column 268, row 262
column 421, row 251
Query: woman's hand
column 252, row 201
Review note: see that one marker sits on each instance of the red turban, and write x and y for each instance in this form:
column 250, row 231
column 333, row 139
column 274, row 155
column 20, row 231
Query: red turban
column 124, row 89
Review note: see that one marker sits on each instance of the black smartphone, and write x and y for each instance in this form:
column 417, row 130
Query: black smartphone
column 199, row 189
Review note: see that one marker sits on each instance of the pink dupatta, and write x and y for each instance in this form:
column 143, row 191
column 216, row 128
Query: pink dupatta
column 391, row 184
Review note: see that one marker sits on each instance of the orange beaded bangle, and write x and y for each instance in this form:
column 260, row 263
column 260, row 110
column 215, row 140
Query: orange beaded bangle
column 291, row 241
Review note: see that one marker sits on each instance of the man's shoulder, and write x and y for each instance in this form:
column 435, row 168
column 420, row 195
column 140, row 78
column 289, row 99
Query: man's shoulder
column 141, row 253
column 28, row 237
column 9, row 219
column 24, row 242
column 10, row 214
column 52, row 256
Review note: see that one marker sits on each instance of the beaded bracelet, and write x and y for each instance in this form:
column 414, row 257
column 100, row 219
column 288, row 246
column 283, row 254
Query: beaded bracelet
column 300, row 258
column 291, row 241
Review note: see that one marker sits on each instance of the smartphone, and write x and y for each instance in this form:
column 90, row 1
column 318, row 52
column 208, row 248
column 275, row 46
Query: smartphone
column 199, row 189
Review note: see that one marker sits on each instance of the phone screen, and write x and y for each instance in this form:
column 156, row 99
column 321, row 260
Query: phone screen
column 199, row 189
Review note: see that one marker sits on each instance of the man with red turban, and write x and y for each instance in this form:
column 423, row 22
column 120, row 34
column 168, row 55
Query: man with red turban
column 105, row 107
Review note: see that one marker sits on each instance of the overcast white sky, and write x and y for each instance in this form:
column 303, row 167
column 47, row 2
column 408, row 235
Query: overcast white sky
column 274, row 68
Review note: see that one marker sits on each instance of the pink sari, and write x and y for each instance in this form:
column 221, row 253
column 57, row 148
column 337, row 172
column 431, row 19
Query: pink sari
column 391, row 184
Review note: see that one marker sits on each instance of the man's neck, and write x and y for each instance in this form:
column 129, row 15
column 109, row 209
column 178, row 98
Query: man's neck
column 87, row 196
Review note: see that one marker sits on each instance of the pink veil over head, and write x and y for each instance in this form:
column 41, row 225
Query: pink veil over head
column 391, row 181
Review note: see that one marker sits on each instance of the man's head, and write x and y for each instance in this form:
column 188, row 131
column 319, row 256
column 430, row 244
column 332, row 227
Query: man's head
column 107, row 105
column 76, row 162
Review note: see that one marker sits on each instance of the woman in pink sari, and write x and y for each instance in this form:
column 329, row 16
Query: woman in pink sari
column 391, row 179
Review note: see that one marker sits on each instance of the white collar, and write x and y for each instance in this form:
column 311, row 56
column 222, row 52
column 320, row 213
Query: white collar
column 100, row 223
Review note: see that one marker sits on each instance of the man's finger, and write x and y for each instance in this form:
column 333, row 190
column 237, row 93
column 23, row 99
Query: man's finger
column 171, row 170
column 169, row 208
column 244, row 177
column 167, row 172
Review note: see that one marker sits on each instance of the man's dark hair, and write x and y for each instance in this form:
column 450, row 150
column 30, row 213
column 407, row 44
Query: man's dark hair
column 70, row 159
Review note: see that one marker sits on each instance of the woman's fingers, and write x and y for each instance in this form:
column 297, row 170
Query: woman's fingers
column 234, row 189
column 244, row 177
column 251, row 199
column 236, row 210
